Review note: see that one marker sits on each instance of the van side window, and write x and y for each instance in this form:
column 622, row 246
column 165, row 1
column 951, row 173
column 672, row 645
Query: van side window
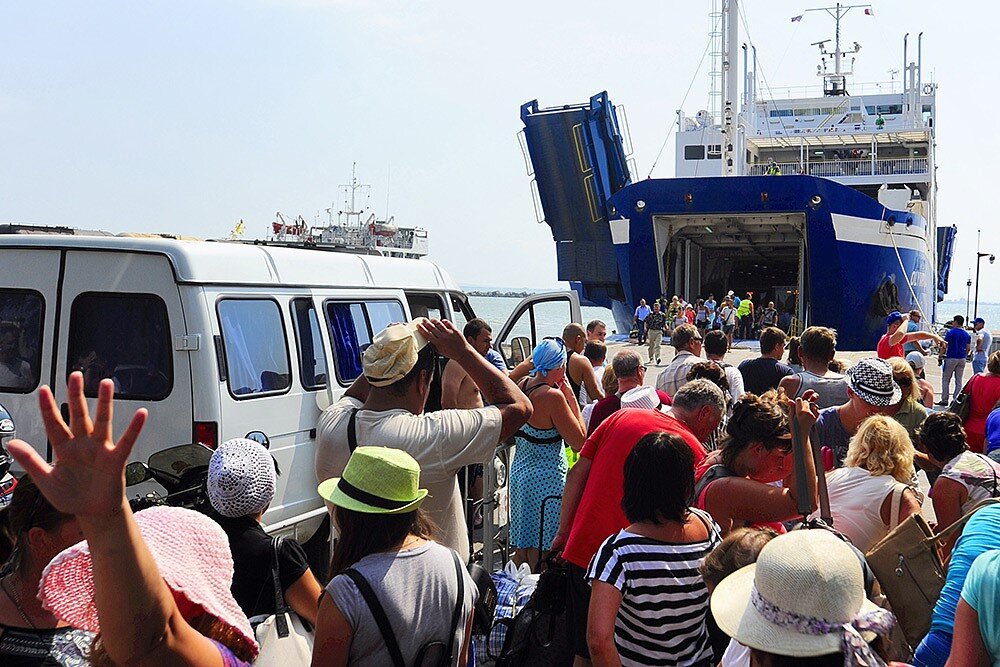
column 21, row 314
column 425, row 305
column 352, row 326
column 253, row 336
column 125, row 337
column 312, row 360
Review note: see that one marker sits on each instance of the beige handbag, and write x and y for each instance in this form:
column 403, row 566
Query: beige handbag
column 909, row 570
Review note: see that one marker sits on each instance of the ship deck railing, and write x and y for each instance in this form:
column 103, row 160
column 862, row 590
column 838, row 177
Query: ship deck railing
column 845, row 168
column 855, row 89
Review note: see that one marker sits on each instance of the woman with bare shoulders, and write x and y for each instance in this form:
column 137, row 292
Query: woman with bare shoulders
column 735, row 482
column 538, row 472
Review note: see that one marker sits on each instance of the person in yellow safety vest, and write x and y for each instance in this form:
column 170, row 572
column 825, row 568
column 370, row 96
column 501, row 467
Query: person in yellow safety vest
column 772, row 168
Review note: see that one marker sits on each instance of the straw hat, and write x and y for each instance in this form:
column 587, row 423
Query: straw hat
column 377, row 480
column 393, row 353
column 241, row 478
column 804, row 597
column 871, row 379
column 191, row 552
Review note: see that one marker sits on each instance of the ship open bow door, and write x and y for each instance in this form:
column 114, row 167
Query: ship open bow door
column 706, row 254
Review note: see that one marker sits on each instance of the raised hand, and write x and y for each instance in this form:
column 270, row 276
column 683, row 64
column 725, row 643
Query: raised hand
column 445, row 338
column 805, row 410
column 87, row 478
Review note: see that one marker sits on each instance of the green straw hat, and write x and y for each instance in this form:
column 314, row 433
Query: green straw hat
column 377, row 480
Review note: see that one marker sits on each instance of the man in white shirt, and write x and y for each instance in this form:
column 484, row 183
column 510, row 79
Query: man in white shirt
column 982, row 341
column 386, row 406
column 686, row 339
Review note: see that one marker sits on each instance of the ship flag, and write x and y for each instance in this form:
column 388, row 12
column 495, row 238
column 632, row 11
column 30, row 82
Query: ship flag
column 796, row 19
column 869, row 11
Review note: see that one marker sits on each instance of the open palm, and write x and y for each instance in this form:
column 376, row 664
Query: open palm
column 87, row 478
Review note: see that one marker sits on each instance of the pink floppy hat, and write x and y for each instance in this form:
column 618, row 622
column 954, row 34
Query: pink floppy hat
column 190, row 550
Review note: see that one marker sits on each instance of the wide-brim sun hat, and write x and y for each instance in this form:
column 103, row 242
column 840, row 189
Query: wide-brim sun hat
column 804, row 597
column 241, row 478
column 191, row 552
column 872, row 381
column 393, row 353
column 376, row 480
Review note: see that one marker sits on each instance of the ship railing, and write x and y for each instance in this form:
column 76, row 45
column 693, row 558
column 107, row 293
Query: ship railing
column 869, row 88
column 841, row 168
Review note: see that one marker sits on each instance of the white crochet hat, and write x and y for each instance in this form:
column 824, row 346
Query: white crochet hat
column 240, row 478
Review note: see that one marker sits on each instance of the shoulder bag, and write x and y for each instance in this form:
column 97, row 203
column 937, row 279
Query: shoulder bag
column 910, row 572
column 283, row 637
column 960, row 405
column 434, row 653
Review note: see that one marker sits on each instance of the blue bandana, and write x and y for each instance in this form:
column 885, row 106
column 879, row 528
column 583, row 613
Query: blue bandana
column 548, row 355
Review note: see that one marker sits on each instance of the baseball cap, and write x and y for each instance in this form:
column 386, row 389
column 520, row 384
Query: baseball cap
column 894, row 316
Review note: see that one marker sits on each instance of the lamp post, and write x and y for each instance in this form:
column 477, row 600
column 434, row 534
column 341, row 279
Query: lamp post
column 968, row 296
column 979, row 256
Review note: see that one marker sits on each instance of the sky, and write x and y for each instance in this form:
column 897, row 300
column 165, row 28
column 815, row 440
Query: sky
column 187, row 116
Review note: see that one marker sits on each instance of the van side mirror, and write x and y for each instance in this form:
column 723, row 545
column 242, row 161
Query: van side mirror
column 136, row 473
column 260, row 438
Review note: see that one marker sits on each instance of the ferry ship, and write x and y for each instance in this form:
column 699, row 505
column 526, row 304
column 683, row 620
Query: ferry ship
column 822, row 201
column 350, row 229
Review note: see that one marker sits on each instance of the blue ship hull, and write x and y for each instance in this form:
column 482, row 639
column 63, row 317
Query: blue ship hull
column 851, row 269
column 839, row 257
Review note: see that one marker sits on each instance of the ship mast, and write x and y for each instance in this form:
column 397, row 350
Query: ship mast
column 835, row 83
column 730, row 154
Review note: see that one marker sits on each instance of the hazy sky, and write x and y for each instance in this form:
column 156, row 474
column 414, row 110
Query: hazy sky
column 186, row 116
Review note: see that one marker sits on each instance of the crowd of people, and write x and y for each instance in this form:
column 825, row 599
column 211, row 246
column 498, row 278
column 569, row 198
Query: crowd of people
column 737, row 317
column 674, row 507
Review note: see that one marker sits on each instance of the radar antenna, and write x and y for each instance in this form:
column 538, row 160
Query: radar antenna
column 835, row 82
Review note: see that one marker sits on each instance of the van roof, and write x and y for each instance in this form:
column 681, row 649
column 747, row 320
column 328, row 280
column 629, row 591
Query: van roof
column 233, row 263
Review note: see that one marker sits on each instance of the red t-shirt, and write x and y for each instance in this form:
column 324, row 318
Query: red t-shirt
column 984, row 392
column 609, row 405
column 886, row 351
column 689, row 314
column 600, row 513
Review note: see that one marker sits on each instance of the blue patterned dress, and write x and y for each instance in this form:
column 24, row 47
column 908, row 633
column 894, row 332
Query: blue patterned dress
column 537, row 472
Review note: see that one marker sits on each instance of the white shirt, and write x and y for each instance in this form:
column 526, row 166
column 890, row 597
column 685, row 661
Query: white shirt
column 735, row 379
column 987, row 339
column 584, row 396
column 856, row 498
column 442, row 442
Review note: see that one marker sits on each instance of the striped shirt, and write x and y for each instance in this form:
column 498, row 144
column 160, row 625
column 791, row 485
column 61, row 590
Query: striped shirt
column 661, row 620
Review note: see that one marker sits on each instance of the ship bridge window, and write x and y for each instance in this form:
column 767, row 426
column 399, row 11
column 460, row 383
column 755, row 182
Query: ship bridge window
column 694, row 152
column 884, row 109
column 780, row 113
column 715, row 151
column 926, row 108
